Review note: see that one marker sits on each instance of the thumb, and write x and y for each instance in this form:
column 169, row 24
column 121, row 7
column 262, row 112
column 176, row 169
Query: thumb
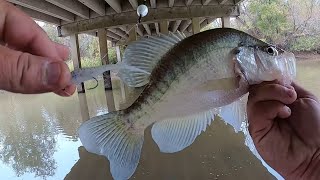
column 25, row 73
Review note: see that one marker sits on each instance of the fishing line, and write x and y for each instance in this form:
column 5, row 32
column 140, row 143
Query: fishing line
column 95, row 85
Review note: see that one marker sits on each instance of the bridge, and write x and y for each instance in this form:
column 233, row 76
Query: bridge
column 117, row 21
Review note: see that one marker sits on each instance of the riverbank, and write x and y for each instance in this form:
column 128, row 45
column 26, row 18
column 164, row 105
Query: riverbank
column 309, row 56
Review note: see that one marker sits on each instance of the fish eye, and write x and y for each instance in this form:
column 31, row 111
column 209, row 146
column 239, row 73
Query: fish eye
column 272, row 51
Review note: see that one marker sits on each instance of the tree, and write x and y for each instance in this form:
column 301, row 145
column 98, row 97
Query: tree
column 88, row 46
column 52, row 33
column 292, row 24
column 268, row 19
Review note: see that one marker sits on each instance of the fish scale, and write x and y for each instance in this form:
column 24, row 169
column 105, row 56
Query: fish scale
column 187, row 82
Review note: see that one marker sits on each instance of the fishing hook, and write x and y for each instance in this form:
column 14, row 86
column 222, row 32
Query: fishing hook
column 95, row 85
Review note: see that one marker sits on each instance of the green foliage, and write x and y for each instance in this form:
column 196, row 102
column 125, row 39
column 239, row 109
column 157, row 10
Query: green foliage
column 92, row 47
column 305, row 43
column 291, row 24
column 88, row 46
column 112, row 55
column 271, row 19
column 86, row 62
column 52, row 32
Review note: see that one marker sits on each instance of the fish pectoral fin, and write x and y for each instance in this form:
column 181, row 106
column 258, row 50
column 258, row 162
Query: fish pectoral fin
column 225, row 84
column 145, row 55
column 235, row 113
column 108, row 135
column 173, row 135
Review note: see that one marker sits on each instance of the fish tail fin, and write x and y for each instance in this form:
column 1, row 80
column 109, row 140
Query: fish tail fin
column 111, row 136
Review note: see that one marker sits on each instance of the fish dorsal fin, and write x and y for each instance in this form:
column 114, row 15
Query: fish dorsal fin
column 145, row 55
column 173, row 135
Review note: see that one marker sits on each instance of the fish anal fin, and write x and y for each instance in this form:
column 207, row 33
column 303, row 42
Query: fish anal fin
column 173, row 135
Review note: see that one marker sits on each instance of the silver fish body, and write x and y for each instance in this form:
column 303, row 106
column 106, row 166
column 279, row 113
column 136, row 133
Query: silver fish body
column 176, row 85
column 184, row 90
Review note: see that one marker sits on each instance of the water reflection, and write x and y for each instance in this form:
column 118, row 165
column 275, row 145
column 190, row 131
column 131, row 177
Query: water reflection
column 29, row 128
column 218, row 153
column 38, row 140
column 27, row 146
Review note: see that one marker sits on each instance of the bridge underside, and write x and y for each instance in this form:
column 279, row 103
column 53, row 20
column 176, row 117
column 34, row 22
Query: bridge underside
column 116, row 21
column 119, row 16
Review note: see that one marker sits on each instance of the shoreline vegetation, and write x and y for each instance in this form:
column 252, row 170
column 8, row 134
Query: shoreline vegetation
column 307, row 56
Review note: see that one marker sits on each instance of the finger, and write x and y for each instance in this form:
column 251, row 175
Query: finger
column 20, row 32
column 270, row 110
column 63, row 51
column 303, row 93
column 68, row 91
column 261, row 115
column 271, row 92
column 26, row 73
column 271, row 82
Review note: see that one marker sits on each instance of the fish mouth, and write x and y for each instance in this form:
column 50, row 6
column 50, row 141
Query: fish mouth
column 255, row 68
column 287, row 66
column 283, row 68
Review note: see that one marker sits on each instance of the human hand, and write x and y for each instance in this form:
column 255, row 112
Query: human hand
column 29, row 61
column 284, row 123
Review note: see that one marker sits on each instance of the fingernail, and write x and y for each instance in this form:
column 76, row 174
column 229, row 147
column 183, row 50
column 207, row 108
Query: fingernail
column 288, row 109
column 53, row 73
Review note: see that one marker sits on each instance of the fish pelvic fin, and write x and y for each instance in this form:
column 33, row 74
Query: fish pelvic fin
column 235, row 114
column 145, row 55
column 173, row 135
column 109, row 135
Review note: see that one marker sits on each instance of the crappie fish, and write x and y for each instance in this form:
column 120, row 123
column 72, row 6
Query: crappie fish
column 188, row 81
